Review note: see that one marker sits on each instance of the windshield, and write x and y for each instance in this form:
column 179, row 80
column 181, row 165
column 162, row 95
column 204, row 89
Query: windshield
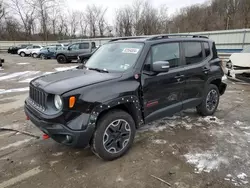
column 246, row 50
column 117, row 57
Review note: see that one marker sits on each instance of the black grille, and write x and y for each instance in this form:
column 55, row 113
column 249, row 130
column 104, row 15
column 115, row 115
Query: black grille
column 38, row 97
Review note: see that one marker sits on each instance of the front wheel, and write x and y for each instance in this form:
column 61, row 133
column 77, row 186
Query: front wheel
column 22, row 54
column 114, row 135
column 210, row 101
column 61, row 59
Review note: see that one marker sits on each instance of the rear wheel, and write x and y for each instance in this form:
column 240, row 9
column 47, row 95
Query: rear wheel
column 34, row 55
column 210, row 101
column 22, row 54
column 114, row 135
column 42, row 56
column 61, row 59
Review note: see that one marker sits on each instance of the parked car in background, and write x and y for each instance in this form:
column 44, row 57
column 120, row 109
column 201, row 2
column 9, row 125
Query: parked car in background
column 238, row 66
column 53, row 48
column 49, row 52
column 1, row 62
column 14, row 49
column 28, row 50
column 73, row 50
column 82, row 58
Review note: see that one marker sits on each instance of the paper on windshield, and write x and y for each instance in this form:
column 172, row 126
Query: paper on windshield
column 131, row 50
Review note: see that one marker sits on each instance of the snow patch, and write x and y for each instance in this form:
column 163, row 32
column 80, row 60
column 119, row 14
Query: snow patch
column 16, row 90
column 57, row 154
column 13, row 75
column 241, row 176
column 211, row 120
column 205, row 162
column 23, row 63
column 52, row 163
column 238, row 123
column 159, row 141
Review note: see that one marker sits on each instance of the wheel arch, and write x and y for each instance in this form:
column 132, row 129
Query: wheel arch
column 129, row 104
column 220, row 85
column 61, row 54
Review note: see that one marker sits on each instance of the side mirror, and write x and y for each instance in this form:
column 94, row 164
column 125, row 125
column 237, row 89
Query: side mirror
column 69, row 48
column 160, row 66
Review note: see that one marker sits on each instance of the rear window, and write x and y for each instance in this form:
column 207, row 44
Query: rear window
column 193, row 52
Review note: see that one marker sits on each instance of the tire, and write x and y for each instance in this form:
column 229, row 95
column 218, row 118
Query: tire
column 22, row 54
column 34, row 55
column 42, row 56
column 210, row 101
column 118, row 126
column 61, row 59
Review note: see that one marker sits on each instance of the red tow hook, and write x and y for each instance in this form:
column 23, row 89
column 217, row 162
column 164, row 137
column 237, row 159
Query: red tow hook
column 45, row 137
column 27, row 118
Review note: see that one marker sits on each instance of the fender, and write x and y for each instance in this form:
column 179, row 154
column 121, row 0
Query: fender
column 130, row 100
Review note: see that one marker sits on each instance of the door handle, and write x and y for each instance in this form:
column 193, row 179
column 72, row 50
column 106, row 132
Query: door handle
column 179, row 76
column 206, row 70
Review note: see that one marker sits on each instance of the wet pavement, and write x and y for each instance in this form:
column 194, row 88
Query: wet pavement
column 186, row 150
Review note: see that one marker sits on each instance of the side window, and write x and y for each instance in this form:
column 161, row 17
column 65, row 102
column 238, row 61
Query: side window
column 167, row 52
column 207, row 49
column 36, row 46
column 193, row 52
column 84, row 46
column 74, row 47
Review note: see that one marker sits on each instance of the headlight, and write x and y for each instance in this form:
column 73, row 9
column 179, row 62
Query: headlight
column 58, row 102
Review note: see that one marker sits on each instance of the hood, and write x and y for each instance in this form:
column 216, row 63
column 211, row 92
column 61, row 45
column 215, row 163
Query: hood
column 61, row 82
column 240, row 59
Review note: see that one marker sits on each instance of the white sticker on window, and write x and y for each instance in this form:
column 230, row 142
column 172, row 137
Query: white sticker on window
column 131, row 50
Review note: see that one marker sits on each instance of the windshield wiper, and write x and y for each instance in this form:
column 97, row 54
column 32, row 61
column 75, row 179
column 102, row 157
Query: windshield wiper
column 99, row 70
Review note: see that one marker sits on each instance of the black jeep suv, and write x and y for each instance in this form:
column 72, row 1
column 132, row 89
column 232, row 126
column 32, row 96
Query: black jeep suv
column 125, row 84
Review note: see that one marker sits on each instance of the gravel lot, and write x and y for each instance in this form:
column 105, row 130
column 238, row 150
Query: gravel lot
column 185, row 150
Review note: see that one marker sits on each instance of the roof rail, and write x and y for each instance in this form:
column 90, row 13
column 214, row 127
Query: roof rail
column 127, row 38
column 175, row 35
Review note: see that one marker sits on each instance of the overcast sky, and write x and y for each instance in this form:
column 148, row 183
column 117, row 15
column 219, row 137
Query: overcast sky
column 112, row 5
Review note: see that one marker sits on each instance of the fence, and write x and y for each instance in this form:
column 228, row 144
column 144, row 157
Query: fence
column 229, row 41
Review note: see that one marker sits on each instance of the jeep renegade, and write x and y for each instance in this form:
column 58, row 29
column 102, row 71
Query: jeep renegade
column 125, row 84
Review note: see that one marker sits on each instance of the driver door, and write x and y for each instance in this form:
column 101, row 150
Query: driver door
column 163, row 92
column 74, row 50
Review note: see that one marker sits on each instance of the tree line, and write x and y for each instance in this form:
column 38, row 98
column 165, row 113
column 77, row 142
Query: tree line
column 52, row 20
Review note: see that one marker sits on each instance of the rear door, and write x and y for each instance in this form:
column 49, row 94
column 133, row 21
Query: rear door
column 162, row 93
column 196, row 57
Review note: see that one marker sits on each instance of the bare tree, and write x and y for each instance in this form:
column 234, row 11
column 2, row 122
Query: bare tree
column 101, row 20
column 83, row 24
column 74, row 23
column 25, row 13
column 124, row 21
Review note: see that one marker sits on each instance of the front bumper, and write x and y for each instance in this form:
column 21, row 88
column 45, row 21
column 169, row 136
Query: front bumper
column 62, row 133
column 237, row 74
